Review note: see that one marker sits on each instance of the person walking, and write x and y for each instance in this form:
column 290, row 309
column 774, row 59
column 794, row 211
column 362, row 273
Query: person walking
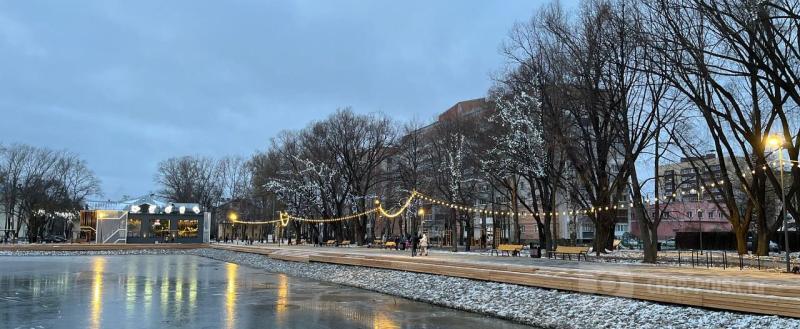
column 423, row 243
column 414, row 244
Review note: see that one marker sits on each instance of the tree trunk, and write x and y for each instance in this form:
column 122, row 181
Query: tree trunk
column 548, row 242
column 483, row 231
column 359, row 228
column 649, row 241
column 470, row 233
column 762, row 240
column 453, row 230
column 741, row 240
column 543, row 240
column 373, row 222
column 515, row 231
column 604, row 235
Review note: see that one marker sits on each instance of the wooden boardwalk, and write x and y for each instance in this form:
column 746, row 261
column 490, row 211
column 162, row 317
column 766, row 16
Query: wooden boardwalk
column 745, row 291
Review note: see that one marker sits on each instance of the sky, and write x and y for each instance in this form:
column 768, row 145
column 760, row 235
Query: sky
column 126, row 84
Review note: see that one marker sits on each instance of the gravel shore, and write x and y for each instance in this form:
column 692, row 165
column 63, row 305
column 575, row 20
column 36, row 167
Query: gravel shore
column 534, row 306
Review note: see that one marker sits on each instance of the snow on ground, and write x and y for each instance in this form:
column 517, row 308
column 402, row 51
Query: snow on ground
column 534, row 306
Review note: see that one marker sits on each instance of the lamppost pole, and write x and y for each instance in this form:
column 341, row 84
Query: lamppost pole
column 777, row 142
column 421, row 220
column 700, row 219
column 783, row 214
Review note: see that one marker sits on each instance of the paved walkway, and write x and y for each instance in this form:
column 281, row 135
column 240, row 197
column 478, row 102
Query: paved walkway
column 732, row 274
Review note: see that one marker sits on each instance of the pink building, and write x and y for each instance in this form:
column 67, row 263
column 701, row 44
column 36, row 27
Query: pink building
column 683, row 216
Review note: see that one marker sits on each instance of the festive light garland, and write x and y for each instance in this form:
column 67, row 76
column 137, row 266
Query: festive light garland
column 285, row 218
column 334, row 219
column 399, row 211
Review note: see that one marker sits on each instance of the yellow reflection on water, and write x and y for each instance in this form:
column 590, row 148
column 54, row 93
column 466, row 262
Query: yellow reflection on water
column 179, row 289
column 148, row 289
column 130, row 291
column 382, row 321
column 283, row 298
column 230, row 294
column 192, row 288
column 98, row 266
column 164, row 297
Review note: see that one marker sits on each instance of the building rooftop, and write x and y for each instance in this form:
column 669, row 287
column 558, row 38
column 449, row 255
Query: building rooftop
column 136, row 204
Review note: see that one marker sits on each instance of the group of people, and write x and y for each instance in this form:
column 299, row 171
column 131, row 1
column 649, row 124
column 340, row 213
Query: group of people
column 418, row 243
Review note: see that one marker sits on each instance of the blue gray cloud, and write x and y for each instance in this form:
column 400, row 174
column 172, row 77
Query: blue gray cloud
column 129, row 83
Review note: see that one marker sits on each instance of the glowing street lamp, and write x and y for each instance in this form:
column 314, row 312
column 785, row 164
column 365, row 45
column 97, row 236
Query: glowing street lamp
column 776, row 142
column 421, row 214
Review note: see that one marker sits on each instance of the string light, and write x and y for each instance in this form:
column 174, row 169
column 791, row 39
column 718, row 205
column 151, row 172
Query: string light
column 284, row 217
column 399, row 211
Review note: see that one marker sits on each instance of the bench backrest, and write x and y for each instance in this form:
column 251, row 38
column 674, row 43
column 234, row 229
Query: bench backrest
column 571, row 249
column 390, row 243
column 330, row 241
column 345, row 242
column 510, row 247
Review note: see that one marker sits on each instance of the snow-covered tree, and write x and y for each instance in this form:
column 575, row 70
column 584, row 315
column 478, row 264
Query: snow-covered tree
column 518, row 156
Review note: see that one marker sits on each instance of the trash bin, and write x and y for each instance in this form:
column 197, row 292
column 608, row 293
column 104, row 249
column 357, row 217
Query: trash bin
column 536, row 251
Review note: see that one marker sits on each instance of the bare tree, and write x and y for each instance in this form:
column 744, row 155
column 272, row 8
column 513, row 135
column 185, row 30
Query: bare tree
column 455, row 172
column 411, row 165
column 360, row 143
column 235, row 177
column 730, row 59
column 39, row 184
column 190, row 179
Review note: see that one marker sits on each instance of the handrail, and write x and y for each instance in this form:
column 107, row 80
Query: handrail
column 114, row 234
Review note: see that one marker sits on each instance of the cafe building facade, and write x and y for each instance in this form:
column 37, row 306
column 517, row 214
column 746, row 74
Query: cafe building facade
column 145, row 220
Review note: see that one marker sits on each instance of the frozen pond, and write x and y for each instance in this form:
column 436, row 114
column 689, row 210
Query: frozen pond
column 183, row 291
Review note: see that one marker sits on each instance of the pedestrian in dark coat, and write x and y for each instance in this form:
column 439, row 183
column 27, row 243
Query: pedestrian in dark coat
column 414, row 244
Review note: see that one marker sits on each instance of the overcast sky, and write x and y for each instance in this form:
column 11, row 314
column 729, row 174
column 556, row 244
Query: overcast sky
column 128, row 83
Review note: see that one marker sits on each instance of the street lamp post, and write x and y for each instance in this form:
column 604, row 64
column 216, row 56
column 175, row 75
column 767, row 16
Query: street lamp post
column 699, row 218
column 376, row 217
column 777, row 143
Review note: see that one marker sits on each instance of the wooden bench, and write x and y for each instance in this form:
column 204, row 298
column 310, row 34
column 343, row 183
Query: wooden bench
column 568, row 251
column 390, row 245
column 377, row 243
column 345, row 243
column 330, row 243
column 508, row 249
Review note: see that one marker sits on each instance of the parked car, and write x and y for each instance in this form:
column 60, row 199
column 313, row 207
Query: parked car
column 668, row 244
column 55, row 239
column 773, row 246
